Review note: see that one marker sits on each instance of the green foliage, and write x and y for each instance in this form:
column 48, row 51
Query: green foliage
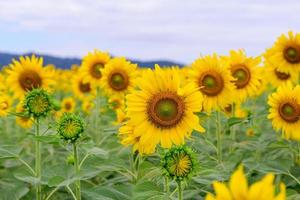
column 109, row 171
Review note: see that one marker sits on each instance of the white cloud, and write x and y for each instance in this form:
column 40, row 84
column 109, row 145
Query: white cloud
column 147, row 29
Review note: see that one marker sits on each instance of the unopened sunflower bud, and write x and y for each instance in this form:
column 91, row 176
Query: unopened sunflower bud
column 70, row 127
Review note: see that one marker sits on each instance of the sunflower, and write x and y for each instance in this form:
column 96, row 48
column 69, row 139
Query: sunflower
column 2, row 84
column 286, row 53
column 238, row 188
column 5, row 104
column 87, row 105
column 214, row 81
column 116, row 102
column 121, row 117
column 285, row 111
column 22, row 120
column 27, row 74
column 68, row 105
column 92, row 64
column 161, row 110
column 128, row 138
column 83, row 90
column 118, row 77
column 64, row 80
column 277, row 78
column 238, row 111
column 246, row 73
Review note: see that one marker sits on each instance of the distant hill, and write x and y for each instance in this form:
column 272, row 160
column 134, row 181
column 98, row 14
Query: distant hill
column 66, row 63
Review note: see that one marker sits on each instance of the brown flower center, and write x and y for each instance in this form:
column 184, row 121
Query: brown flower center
column 290, row 111
column 211, row 83
column 165, row 109
column 242, row 75
column 282, row 75
column 96, row 70
column 68, row 106
column 29, row 80
column 228, row 108
column 84, row 87
column 292, row 54
column 118, row 80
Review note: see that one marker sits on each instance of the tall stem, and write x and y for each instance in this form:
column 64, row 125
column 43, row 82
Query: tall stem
column 180, row 194
column 77, row 169
column 219, row 137
column 38, row 161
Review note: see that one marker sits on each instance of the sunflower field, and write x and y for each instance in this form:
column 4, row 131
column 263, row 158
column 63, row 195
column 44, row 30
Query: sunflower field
column 225, row 127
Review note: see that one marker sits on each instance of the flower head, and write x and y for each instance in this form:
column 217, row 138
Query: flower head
column 70, row 127
column 179, row 163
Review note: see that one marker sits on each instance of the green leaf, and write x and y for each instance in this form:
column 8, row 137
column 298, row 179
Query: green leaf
column 49, row 139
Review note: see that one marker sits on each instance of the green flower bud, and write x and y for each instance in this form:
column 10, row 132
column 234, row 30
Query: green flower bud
column 179, row 163
column 37, row 103
column 70, row 127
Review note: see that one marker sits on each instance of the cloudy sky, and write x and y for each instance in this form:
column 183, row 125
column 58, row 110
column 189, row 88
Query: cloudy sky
column 151, row 29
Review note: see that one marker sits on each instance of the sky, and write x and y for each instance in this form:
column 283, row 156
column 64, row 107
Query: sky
column 174, row 30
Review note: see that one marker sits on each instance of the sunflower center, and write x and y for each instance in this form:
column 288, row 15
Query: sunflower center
column 242, row 75
column 68, row 106
column 292, row 54
column 290, row 111
column 228, row 108
column 84, row 87
column 211, row 83
column 282, row 75
column 29, row 80
column 96, row 70
column 180, row 165
column 71, row 129
column 118, row 80
column 39, row 104
column 166, row 109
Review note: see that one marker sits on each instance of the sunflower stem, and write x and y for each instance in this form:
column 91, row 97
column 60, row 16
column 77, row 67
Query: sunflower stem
column 219, row 138
column 233, row 133
column 180, row 192
column 298, row 156
column 167, row 187
column 77, row 169
column 38, row 161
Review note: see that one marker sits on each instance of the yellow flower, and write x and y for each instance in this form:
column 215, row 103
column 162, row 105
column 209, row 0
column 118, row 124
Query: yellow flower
column 128, row 138
column 162, row 110
column 92, row 65
column 87, row 106
column 83, row 90
column 3, row 87
column 238, row 111
column 116, row 103
column 68, row 104
column 246, row 73
column 22, row 121
column 121, row 117
column 286, row 53
column 214, row 80
column 277, row 78
column 118, row 77
column 285, row 111
column 238, row 188
column 27, row 74
column 250, row 132
column 5, row 104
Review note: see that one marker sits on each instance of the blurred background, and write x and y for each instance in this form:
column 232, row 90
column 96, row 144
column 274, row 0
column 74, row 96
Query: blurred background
column 153, row 30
